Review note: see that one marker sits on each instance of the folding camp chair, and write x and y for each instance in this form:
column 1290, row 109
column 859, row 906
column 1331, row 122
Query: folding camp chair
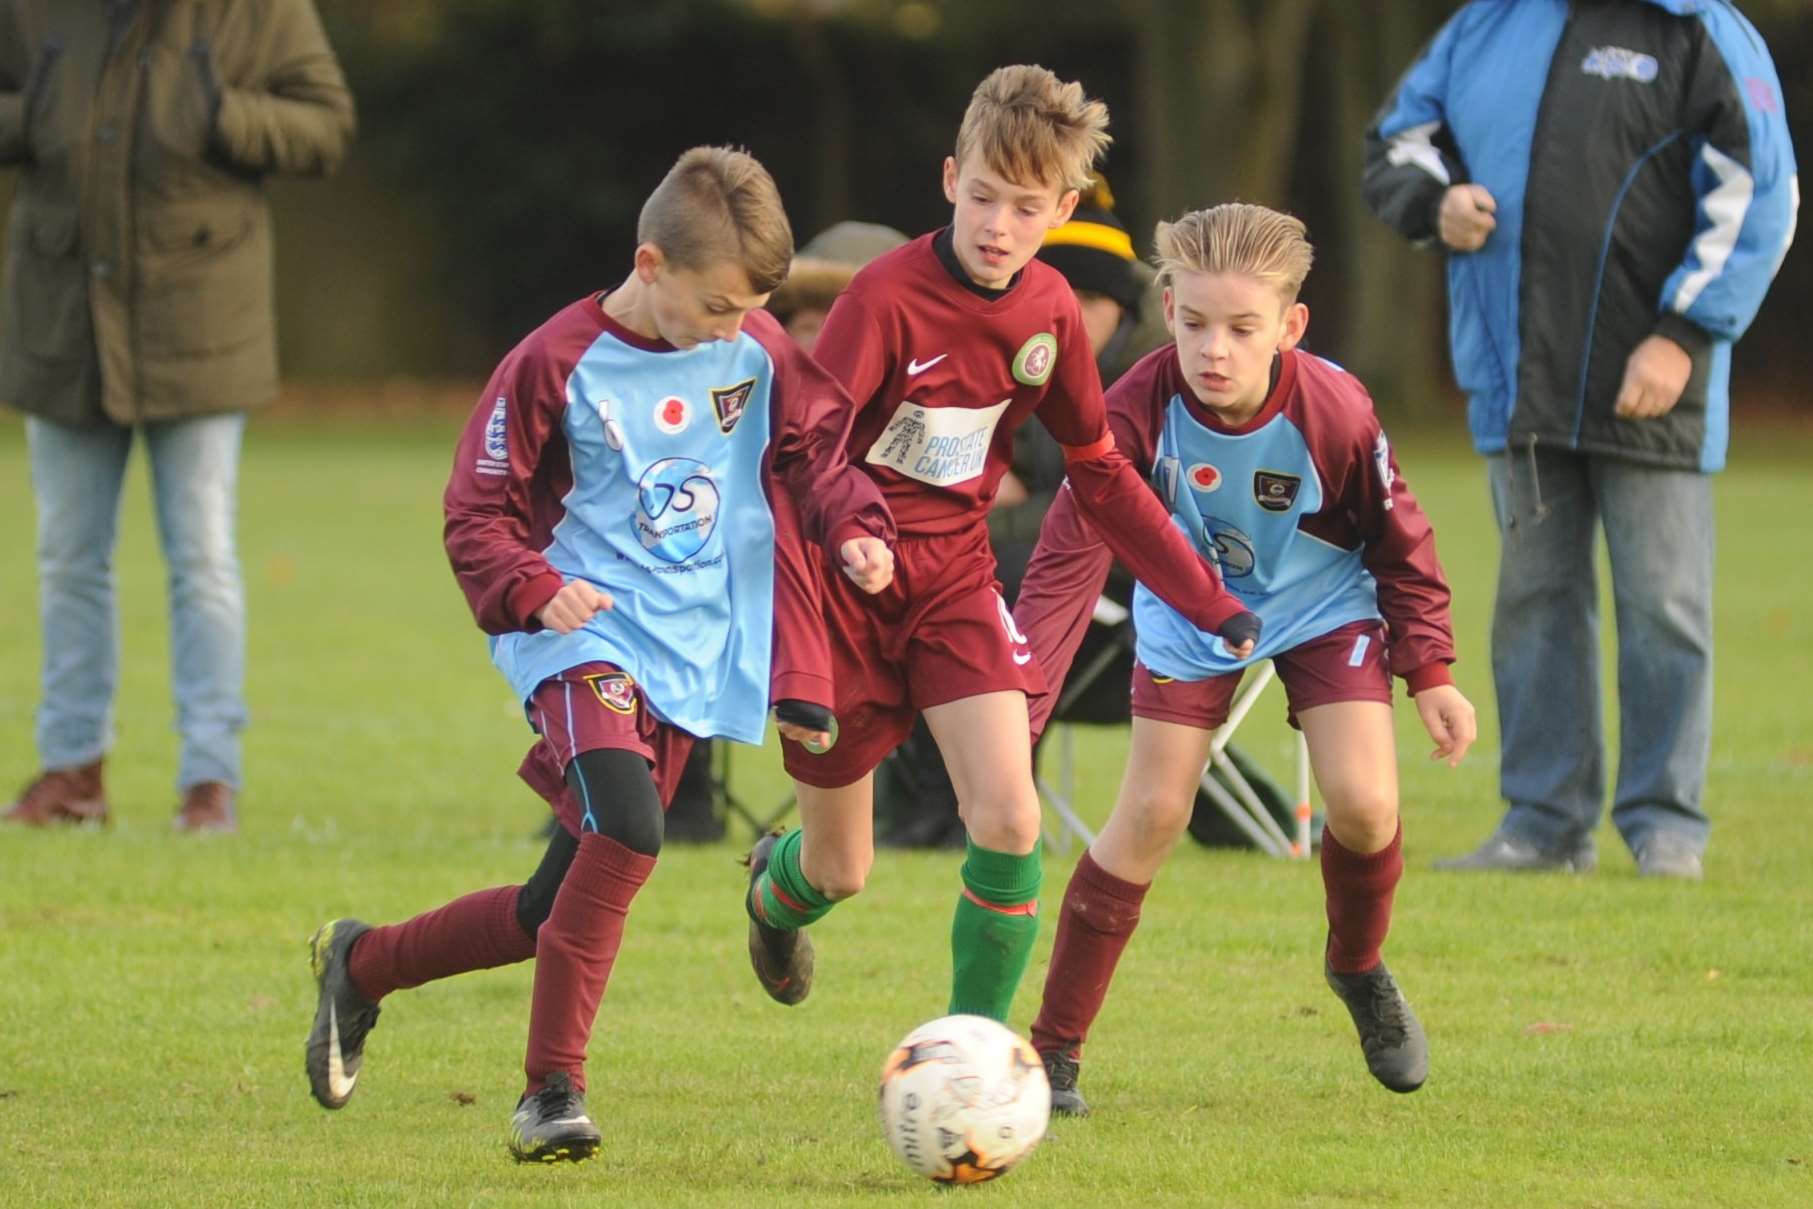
column 1234, row 794
column 1117, row 622
column 728, row 803
column 1230, row 791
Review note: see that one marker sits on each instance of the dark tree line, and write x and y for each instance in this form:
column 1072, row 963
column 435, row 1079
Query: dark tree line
column 532, row 128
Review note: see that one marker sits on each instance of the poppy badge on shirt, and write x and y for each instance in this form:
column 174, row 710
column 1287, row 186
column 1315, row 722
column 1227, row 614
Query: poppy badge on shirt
column 672, row 415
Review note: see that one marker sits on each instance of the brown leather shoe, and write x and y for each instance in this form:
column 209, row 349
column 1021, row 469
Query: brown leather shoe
column 61, row 795
column 207, row 806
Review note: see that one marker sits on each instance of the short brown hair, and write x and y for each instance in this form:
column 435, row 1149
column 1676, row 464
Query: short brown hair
column 717, row 204
column 1237, row 238
column 1034, row 128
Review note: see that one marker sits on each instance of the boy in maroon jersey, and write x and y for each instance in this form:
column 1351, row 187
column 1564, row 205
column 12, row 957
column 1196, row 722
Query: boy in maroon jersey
column 634, row 466
column 1274, row 460
column 946, row 346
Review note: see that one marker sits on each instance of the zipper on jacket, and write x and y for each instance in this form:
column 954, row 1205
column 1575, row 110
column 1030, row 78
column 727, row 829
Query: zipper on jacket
column 1605, row 249
column 1550, row 89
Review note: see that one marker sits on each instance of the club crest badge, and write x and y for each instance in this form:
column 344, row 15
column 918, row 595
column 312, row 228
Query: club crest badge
column 672, row 415
column 1275, row 491
column 616, row 691
column 1036, row 359
column 729, row 402
column 1204, row 477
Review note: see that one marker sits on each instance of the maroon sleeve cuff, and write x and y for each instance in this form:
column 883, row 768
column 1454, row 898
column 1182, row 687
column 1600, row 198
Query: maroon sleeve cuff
column 1217, row 612
column 802, row 686
column 527, row 597
column 1430, row 675
column 851, row 528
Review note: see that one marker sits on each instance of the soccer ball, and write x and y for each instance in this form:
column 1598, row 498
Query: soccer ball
column 963, row 1099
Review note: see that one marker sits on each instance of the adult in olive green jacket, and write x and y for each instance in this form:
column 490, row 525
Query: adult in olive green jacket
column 137, row 298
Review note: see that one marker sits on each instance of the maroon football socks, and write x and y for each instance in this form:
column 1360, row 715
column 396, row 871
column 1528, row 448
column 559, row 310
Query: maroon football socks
column 1099, row 915
column 577, row 948
column 476, row 932
column 1360, row 889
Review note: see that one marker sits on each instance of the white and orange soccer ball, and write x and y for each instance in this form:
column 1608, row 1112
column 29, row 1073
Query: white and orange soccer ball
column 963, row 1099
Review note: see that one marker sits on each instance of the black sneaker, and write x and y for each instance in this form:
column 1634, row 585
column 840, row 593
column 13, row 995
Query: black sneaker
column 1502, row 853
column 551, row 1126
column 1061, row 1070
column 1397, row 1052
column 342, row 1016
column 782, row 957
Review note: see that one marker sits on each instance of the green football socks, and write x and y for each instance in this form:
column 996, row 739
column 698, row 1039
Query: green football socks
column 992, row 934
column 784, row 898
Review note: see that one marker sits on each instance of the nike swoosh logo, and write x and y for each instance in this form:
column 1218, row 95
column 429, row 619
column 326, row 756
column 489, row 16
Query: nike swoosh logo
column 1022, row 657
column 915, row 367
column 339, row 1083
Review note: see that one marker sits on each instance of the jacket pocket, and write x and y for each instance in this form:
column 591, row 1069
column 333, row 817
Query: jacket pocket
column 204, row 279
column 46, row 290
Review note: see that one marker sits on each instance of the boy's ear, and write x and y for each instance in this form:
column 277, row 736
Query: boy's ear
column 1296, row 322
column 649, row 262
column 1170, row 311
column 950, row 179
column 1066, row 207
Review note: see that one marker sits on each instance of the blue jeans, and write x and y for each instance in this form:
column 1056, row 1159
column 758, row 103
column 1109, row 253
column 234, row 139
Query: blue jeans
column 76, row 474
column 1545, row 645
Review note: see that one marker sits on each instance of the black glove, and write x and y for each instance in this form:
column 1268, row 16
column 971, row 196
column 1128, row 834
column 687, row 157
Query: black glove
column 804, row 714
column 1240, row 627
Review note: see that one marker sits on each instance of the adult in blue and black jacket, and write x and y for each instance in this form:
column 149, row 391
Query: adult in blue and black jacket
column 1613, row 184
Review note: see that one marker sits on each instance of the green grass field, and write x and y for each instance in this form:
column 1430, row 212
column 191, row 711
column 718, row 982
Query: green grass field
column 1601, row 1041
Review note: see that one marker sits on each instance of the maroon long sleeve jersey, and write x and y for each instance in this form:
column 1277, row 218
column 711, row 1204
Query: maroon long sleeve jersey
column 516, row 469
column 1303, row 505
column 942, row 376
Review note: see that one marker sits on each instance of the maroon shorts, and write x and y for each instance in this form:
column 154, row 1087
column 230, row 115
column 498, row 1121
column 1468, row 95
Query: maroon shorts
column 939, row 633
column 1348, row 664
column 592, row 706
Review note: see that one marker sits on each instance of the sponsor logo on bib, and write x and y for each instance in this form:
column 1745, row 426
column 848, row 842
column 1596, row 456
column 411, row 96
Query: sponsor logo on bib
column 942, row 446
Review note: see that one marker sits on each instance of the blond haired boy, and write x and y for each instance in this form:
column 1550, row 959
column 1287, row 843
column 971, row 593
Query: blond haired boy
column 947, row 345
column 623, row 502
column 1272, row 460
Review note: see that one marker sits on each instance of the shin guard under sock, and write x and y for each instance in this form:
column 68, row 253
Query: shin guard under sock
column 782, row 897
column 477, row 932
column 993, row 931
column 1360, row 888
column 575, row 952
column 1099, row 916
